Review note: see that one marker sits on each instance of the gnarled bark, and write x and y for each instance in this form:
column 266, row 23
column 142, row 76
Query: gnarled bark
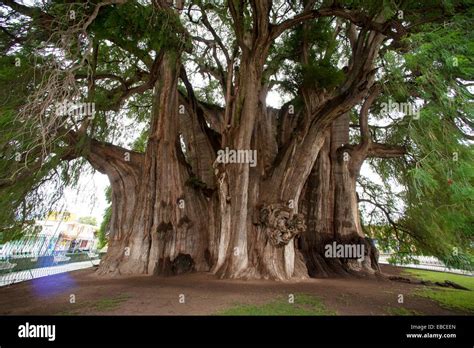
column 331, row 208
column 167, row 217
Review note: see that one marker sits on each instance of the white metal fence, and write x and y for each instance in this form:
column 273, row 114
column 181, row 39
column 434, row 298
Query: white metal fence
column 20, row 276
column 426, row 262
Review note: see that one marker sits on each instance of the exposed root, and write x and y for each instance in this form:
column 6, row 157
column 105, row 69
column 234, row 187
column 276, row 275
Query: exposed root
column 445, row 284
column 320, row 266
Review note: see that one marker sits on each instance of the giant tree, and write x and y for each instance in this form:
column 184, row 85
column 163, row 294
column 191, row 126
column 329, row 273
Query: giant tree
column 196, row 77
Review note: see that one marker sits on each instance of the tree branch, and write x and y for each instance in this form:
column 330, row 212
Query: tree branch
column 356, row 18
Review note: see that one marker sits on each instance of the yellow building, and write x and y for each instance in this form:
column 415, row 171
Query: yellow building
column 61, row 216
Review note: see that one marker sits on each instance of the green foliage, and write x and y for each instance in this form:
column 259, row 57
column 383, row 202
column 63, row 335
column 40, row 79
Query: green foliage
column 24, row 172
column 321, row 75
column 104, row 226
column 209, row 93
column 88, row 220
column 155, row 29
column 436, row 204
column 442, row 192
column 140, row 143
column 321, row 70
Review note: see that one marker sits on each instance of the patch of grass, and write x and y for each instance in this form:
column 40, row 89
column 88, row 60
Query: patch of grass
column 102, row 305
column 446, row 297
column 107, row 304
column 400, row 311
column 303, row 305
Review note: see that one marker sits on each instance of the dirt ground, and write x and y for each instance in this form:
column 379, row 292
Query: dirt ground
column 203, row 294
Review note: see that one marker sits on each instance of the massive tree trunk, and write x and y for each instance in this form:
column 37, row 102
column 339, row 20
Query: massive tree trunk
column 166, row 218
column 257, row 229
column 256, row 238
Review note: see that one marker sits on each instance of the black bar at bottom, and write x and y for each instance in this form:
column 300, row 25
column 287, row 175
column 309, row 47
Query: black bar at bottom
column 221, row 330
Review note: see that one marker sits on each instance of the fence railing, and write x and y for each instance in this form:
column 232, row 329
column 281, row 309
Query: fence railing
column 425, row 262
column 14, row 269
